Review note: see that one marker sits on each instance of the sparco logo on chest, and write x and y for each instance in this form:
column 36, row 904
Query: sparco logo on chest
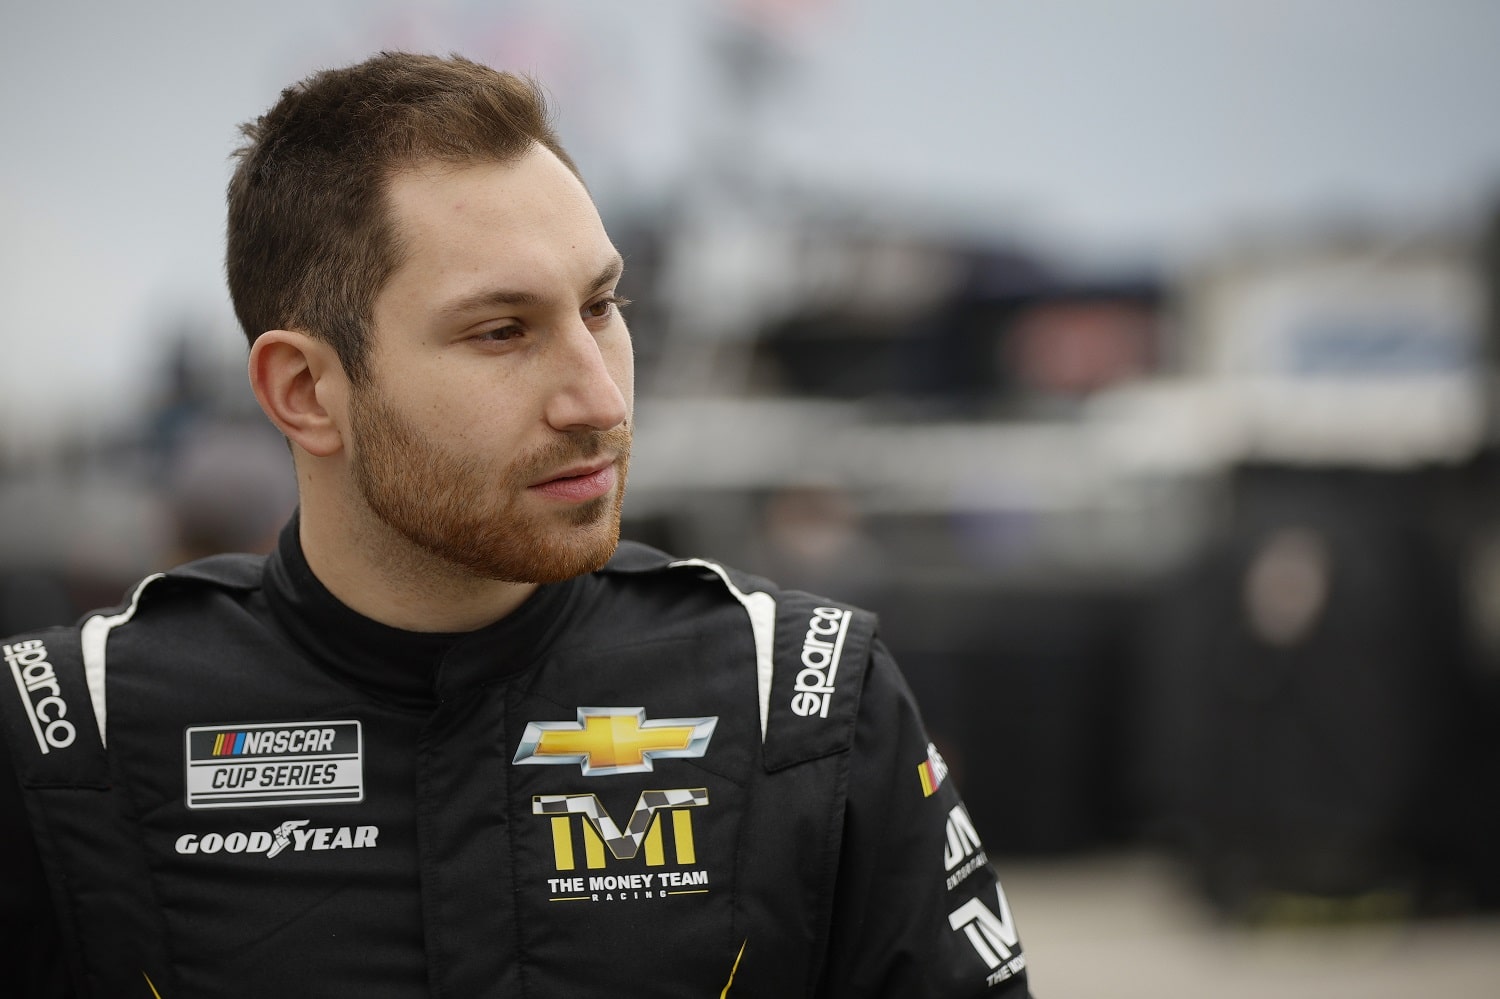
column 821, row 650
column 40, row 695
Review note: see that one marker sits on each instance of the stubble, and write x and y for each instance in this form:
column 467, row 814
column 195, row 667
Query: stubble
column 475, row 517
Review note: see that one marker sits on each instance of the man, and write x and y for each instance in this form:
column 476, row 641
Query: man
column 446, row 739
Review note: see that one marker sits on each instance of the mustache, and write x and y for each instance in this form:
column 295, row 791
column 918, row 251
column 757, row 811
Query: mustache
column 573, row 447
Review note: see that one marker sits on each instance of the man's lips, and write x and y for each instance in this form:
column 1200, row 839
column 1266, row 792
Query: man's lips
column 579, row 484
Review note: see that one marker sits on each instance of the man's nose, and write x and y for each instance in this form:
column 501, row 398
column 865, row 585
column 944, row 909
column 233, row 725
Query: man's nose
column 589, row 393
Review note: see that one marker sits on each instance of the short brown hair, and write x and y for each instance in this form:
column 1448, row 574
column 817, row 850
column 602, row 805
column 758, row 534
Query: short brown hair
column 310, row 238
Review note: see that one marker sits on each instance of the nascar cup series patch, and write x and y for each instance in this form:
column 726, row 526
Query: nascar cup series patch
column 279, row 763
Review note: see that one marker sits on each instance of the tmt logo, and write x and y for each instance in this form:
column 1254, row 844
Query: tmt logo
column 993, row 936
column 600, row 831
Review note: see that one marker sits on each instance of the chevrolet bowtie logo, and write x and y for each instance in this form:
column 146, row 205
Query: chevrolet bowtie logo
column 615, row 740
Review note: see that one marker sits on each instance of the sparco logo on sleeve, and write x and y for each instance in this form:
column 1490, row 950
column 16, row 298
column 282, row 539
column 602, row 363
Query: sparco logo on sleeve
column 821, row 650
column 280, row 763
column 40, row 695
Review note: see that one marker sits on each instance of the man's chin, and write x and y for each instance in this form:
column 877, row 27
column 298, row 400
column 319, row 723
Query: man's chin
column 577, row 552
column 583, row 543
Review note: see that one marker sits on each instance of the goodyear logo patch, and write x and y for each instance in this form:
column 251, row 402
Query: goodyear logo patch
column 279, row 763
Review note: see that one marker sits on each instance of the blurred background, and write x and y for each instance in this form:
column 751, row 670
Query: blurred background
column 1136, row 362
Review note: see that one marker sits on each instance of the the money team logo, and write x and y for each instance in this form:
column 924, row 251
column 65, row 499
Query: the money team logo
column 583, row 817
column 994, row 936
column 600, row 832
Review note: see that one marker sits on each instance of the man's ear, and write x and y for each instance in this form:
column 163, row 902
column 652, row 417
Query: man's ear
column 300, row 384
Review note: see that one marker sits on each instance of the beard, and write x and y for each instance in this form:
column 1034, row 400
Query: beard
column 461, row 510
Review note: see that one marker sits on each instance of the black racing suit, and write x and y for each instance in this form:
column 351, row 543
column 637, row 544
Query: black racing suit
column 661, row 779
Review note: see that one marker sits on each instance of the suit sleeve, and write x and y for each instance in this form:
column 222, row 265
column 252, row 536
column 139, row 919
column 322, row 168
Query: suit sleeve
column 918, row 911
column 27, row 923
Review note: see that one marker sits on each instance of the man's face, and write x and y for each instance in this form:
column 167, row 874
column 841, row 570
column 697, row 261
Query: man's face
column 494, row 432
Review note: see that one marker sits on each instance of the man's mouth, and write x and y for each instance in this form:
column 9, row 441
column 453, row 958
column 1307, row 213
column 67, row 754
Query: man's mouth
column 580, row 483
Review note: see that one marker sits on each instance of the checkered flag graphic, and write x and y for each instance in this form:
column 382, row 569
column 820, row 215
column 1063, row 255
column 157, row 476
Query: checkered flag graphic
column 623, row 845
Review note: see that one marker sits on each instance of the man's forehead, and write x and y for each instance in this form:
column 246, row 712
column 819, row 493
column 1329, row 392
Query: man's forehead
column 534, row 176
column 473, row 237
column 531, row 204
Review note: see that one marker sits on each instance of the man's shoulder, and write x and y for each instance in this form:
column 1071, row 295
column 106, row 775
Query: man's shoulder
column 237, row 573
column 228, row 572
column 634, row 559
column 162, row 592
column 811, row 653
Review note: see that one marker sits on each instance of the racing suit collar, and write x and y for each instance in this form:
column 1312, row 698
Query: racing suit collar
column 412, row 667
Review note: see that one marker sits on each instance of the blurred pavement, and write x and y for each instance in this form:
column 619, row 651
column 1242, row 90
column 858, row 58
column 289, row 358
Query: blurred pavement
column 1124, row 926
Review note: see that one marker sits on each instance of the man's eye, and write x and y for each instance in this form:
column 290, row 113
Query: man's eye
column 499, row 334
column 599, row 308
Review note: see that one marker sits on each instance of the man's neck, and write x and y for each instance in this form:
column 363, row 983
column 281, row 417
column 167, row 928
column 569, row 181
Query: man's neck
column 375, row 571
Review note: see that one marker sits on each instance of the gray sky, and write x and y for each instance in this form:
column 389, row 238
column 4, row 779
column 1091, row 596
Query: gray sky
column 1154, row 127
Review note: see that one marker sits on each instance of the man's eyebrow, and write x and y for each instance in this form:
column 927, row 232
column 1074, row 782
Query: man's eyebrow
column 611, row 272
column 502, row 296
